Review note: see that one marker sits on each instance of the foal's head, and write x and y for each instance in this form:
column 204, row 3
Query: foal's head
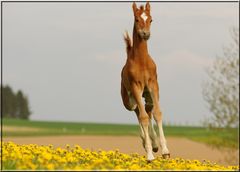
column 143, row 20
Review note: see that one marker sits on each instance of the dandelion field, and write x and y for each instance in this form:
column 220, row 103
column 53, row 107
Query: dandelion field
column 36, row 157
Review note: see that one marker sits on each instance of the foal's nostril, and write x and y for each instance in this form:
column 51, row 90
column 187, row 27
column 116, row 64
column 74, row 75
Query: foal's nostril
column 146, row 33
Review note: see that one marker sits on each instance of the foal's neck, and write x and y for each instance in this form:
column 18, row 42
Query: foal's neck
column 140, row 48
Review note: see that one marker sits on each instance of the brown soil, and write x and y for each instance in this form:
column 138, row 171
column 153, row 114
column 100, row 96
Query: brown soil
column 179, row 147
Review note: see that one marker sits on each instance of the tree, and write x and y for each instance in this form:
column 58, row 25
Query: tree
column 22, row 107
column 221, row 91
column 9, row 102
column 20, row 104
column 14, row 105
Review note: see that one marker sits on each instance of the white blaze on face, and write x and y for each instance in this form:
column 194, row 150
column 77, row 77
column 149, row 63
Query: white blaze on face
column 144, row 16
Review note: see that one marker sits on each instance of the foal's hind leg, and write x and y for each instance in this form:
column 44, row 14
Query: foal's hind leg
column 149, row 108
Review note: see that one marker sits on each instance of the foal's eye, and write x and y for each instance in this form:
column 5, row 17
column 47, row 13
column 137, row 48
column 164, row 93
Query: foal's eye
column 151, row 21
column 137, row 20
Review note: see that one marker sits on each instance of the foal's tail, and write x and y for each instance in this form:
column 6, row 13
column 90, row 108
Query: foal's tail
column 128, row 42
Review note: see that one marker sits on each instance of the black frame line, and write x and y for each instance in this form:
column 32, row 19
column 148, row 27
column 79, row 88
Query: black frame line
column 111, row 1
column 231, row 1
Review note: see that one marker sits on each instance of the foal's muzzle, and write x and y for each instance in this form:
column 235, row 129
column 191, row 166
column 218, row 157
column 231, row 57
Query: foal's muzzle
column 144, row 35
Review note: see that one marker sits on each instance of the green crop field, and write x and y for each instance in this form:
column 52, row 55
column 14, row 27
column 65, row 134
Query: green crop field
column 220, row 137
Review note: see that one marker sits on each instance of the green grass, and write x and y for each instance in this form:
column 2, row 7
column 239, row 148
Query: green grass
column 221, row 138
column 215, row 137
column 68, row 128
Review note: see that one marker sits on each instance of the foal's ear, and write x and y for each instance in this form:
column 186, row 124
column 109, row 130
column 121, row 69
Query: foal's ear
column 147, row 7
column 134, row 7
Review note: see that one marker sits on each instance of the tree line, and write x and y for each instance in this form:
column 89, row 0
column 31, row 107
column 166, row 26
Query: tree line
column 14, row 105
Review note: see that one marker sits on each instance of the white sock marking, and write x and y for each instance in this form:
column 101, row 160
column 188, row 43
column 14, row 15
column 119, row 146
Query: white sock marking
column 162, row 140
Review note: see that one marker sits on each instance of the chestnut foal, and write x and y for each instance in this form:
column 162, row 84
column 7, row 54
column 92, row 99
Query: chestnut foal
column 139, row 79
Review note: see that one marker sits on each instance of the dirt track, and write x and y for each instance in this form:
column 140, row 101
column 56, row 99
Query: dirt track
column 179, row 147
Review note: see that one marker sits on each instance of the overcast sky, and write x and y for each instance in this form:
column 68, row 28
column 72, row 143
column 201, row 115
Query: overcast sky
column 67, row 57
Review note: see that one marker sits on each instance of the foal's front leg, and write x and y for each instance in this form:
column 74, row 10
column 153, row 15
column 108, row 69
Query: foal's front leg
column 158, row 118
column 153, row 137
column 151, row 130
column 152, row 133
column 143, row 120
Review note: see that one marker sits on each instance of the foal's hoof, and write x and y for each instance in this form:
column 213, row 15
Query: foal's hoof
column 149, row 160
column 155, row 149
column 166, row 156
